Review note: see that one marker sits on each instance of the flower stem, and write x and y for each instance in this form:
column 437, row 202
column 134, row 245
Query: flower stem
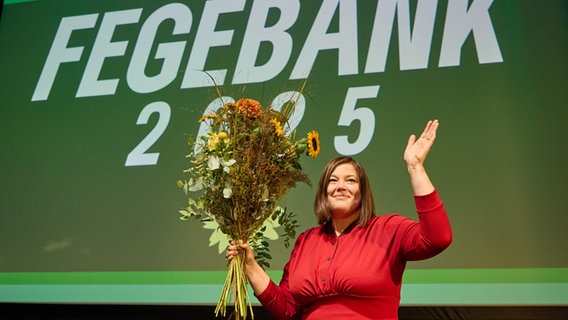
column 236, row 284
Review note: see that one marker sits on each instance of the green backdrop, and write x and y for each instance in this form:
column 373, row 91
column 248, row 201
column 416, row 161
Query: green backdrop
column 82, row 221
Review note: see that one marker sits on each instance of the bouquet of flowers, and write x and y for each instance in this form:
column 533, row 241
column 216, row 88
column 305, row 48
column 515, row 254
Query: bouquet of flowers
column 239, row 171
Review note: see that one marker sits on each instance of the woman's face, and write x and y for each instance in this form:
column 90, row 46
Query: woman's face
column 343, row 193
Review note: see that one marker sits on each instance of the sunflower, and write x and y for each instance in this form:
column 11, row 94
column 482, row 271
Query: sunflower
column 313, row 144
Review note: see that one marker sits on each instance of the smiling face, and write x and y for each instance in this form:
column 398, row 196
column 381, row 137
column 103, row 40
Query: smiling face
column 343, row 193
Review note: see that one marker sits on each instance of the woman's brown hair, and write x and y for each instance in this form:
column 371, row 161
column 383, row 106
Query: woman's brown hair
column 321, row 205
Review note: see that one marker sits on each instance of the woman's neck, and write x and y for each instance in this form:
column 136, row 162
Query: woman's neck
column 340, row 224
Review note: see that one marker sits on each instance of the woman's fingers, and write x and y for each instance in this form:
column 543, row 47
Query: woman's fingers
column 234, row 247
column 231, row 250
column 430, row 130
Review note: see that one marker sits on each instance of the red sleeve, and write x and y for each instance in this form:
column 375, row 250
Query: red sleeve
column 276, row 299
column 432, row 234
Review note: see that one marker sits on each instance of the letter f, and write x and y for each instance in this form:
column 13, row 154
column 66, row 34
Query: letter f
column 60, row 53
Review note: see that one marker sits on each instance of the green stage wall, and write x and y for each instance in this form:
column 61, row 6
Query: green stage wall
column 98, row 100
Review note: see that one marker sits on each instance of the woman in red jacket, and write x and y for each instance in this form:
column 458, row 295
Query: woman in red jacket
column 351, row 265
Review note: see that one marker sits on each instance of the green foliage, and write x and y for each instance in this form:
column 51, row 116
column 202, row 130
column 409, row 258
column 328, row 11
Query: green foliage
column 260, row 243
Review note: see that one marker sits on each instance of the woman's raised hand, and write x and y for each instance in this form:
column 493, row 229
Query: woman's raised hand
column 417, row 149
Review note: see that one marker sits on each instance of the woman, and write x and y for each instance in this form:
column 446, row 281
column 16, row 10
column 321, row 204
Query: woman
column 351, row 265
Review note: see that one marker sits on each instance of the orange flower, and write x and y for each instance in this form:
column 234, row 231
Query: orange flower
column 250, row 108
